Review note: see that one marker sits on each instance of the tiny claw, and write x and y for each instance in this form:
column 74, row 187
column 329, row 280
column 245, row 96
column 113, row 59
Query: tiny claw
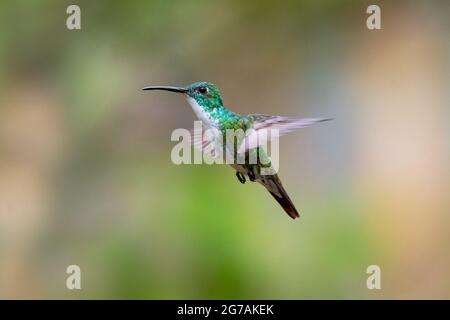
column 251, row 176
column 240, row 177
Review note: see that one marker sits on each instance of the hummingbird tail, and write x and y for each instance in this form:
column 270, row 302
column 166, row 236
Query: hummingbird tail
column 274, row 186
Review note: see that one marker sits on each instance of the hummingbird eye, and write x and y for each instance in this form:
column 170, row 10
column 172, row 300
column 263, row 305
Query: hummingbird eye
column 203, row 90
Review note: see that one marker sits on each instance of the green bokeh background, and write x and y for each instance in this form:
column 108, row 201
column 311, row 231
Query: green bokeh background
column 86, row 176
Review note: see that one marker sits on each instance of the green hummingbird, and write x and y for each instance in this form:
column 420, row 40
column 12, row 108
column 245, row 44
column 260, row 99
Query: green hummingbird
column 206, row 102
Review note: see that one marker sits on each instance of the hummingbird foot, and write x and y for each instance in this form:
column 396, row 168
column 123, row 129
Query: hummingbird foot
column 251, row 176
column 240, row 177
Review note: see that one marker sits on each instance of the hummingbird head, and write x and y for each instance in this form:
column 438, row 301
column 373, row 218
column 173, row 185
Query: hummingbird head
column 206, row 94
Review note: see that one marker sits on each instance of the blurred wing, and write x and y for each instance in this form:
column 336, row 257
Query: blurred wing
column 206, row 140
column 267, row 128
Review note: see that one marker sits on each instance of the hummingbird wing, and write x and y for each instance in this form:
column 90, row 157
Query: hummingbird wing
column 206, row 139
column 266, row 128
column 273, row 184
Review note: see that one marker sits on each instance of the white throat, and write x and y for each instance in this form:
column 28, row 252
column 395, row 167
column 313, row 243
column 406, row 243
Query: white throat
column 200, row 112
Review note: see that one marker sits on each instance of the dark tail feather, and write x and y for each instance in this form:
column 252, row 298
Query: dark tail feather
column 274, row 186
column 287, row 205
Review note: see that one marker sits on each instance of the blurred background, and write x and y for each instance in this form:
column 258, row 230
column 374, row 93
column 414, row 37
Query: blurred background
column 86, row 176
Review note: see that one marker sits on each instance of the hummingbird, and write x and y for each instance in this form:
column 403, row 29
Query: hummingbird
column 206, row 102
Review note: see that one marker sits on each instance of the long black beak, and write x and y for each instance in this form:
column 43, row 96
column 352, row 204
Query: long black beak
column 167, row 88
